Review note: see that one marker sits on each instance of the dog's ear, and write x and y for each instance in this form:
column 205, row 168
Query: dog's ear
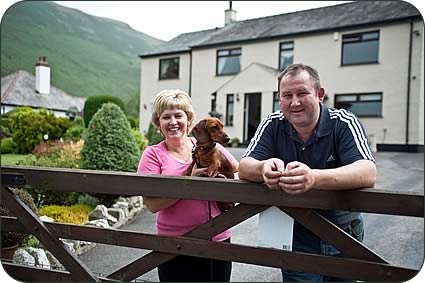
column 200, row 132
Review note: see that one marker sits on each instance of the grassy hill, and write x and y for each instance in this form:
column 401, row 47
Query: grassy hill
column 88, row 55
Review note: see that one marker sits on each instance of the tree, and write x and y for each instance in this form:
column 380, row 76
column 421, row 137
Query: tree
column 94, row 103
column 110, row 144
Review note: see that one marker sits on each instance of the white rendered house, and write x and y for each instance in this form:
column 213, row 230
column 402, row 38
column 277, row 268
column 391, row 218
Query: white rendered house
column 369, row 54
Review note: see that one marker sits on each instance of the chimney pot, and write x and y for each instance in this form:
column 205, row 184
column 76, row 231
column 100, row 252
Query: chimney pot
column 229, row 15
column 42, row 75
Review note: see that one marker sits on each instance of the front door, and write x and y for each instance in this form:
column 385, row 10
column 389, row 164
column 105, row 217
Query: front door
column 252, row 115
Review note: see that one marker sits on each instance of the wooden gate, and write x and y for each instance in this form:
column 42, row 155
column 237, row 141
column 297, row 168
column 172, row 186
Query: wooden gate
column 359, row 263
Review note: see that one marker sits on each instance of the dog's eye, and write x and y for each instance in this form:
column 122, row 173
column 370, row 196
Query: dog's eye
column 214, row 126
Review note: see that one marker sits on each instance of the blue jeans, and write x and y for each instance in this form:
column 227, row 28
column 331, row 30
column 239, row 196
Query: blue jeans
column 307, row 242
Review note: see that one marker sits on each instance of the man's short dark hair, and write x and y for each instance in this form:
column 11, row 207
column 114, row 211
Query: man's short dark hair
column 294, row 69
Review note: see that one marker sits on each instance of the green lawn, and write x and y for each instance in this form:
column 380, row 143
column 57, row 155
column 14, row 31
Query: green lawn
column 11, row 158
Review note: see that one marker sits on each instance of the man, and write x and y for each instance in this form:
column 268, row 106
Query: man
column 306, row 146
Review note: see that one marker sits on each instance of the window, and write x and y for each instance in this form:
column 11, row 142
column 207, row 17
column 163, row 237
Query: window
column 228, row 61
column 360, row 48
column 363, row 105
column 276, row 105
column 286, row 54
column 230, row 105
column 169, row 68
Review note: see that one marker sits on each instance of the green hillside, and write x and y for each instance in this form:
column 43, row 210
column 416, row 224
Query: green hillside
column 88, row 55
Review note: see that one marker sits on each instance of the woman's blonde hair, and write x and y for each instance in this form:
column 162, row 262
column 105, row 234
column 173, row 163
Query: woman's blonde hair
column 170, row 99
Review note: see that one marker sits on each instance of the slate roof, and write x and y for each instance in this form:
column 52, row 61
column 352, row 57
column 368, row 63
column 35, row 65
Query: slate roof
column 314, row 20
column 18, row 89
column 182, row 42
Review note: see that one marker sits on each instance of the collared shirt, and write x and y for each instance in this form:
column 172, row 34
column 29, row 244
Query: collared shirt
column 338, row 139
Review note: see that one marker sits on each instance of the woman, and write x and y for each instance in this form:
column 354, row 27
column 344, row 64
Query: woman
column 173, row 114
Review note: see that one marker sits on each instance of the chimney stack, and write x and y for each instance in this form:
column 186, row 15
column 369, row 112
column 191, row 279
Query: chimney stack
column 229, row 15
column 42, row 75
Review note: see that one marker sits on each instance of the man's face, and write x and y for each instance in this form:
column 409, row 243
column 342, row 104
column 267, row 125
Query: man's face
column 299, row 100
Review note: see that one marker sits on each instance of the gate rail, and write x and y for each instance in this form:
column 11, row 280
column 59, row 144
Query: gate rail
column 359, row 263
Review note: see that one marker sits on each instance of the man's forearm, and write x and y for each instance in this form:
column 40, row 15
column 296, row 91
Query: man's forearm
column 360, row 174
column 250, row 169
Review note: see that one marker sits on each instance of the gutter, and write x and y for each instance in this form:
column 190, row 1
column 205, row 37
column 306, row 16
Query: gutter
column 190, row 73
column 409, row 71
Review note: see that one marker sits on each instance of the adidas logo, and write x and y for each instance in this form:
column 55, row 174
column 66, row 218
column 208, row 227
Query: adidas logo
column 330, row 158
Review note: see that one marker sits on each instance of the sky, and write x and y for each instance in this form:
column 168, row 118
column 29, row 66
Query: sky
column 168, row 19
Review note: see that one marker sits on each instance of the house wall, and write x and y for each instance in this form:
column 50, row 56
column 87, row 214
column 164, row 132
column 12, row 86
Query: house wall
column 252, row 79
column 322, row 51
column 382, row 77
column 150, row 85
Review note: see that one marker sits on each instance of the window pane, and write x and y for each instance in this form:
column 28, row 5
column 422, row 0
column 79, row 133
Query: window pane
column 229, row 65
column 169, row 68
column 368, row 97
column 351, row 38
column 287, row 45
column 235, row 51
column 370, row 35
column 286, row 58
column 230, row 109
column 223, row 52
column 360, row 52
column 340, row 98
column 364, row 108
column 164, row 67
column 276, row 105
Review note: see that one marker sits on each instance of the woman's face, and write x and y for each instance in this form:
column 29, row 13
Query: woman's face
column 173, row 124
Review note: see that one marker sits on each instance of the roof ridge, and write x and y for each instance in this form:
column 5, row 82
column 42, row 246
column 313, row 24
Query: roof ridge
column 300, row 11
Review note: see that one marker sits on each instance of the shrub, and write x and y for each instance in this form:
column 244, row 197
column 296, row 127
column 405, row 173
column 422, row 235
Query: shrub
column 6, row 127
column 31, row 242
column 87, row 199
column 110, row 145
column 74, row 133
column 54, row 154
column 134, row 122
column 29, row 126
column 74, row 214
column 153, row 135
column 141, row 140
column 12, row 238
column 94, row 103
column 7, row 145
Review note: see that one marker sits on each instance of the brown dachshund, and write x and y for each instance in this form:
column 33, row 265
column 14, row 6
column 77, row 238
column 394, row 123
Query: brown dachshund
column 208, row 132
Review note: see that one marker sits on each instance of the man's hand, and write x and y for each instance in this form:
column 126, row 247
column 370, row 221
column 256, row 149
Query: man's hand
column 272, row 171
column 297, row 178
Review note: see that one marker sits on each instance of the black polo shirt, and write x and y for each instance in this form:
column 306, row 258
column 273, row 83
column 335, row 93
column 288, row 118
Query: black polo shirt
column 338, row 139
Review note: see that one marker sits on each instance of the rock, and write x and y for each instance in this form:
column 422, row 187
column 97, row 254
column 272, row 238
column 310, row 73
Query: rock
column 103, row 223
column 40, row 257
column 23, row 257
column 54, row 262
column 123, row 205
column 118, row 213
column 68, row 245
column 46, row 218
column 100, row 212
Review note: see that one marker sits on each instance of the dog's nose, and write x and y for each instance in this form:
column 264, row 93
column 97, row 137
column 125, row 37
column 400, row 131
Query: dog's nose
column 226, row 139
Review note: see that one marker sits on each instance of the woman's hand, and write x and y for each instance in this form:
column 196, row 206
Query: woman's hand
column 198, row 172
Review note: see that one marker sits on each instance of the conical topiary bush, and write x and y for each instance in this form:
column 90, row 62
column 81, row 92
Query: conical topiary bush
column 109, row 144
